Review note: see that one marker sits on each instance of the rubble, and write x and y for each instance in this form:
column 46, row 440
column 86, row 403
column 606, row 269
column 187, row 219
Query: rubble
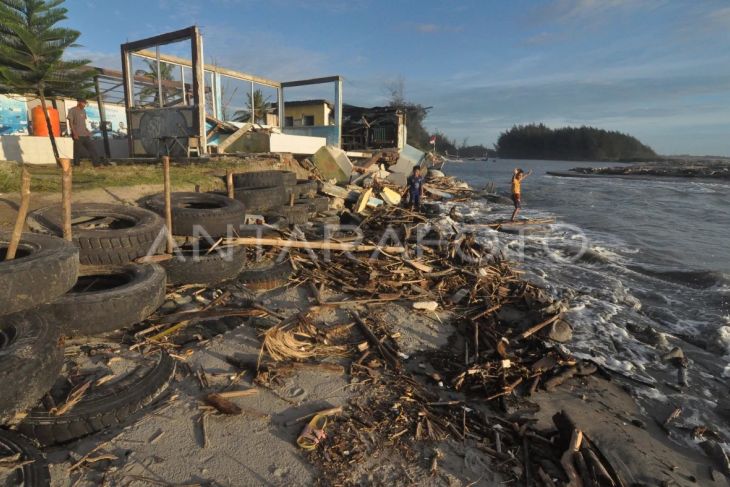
column 333, row 163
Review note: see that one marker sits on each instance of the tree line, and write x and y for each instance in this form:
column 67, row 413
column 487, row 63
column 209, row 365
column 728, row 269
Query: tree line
column 570, row 143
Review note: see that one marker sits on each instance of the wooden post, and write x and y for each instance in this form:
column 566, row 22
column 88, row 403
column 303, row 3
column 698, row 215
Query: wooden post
column 229, row 183
column 66, row 184
column 168, row 204
column 22, row 212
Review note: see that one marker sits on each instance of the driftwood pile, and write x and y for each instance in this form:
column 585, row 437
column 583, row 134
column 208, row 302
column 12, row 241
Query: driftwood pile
column 489, row 369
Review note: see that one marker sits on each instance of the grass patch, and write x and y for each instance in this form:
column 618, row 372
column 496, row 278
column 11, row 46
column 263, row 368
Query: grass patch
column 46, row 179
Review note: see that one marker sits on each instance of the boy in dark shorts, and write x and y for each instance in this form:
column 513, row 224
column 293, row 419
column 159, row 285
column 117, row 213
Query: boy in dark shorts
column 517, row 176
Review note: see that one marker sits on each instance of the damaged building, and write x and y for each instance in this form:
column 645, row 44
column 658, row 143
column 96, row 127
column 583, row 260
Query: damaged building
column 162, row 104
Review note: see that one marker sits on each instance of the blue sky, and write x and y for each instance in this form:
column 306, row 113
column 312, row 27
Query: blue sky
column 657, row 69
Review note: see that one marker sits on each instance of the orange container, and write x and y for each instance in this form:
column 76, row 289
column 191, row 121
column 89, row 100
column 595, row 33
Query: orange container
column 40, row 128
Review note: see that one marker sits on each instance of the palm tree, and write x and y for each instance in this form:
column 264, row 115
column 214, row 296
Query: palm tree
column 259, row 105
column 166, row 74
column 31, row 51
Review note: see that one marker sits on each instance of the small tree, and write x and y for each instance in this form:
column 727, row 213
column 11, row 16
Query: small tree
column 31, row 51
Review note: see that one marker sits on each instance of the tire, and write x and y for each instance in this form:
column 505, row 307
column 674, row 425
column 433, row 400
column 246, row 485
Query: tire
column 101, row 408
column 267, row 277
column 305, row 189
column 133, row 232
column 44, row 268
column 264, row 179
column 107, row 298
column 259, row 199
column 197, row 266
column 317, row 204
column 33, row 474
column 294, row 215
column 213, row 212
column 31, row 356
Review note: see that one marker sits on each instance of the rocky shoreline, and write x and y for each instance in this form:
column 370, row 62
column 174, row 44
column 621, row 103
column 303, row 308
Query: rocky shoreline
column 710, row 168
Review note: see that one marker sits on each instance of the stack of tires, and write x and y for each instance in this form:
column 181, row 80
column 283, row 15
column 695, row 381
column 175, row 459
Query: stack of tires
column 199, row 221
column 55, row 289
column 279, row 196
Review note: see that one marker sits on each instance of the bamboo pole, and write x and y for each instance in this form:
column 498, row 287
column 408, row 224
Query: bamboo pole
column 22, row 213
column 168, row 204
column 229, row 183
column 66, row 185
column 321, row 245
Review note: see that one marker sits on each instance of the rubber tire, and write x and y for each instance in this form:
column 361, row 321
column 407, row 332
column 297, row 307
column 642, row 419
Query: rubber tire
column 261, row 199
column 106, row 246
column 317, row 204
column 34, row 474
column 305, row 189
column 263, row 179
column 48, row 271
column 118, row 402
column 207, row 269
column 95, row 312
column 31, row 357
column 294, row 215
column 215, row 221
column 267, row 277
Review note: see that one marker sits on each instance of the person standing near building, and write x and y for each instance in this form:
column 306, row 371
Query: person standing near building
column 76, row 120
column 517, row 176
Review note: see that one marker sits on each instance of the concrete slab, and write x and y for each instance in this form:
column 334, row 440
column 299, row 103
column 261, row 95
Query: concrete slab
column 409, row 157
column 333, row 163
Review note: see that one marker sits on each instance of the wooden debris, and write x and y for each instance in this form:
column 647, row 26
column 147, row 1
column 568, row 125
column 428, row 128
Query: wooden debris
column 22, row 213
column 222, row 404
column 241, row 393
column 76, row 394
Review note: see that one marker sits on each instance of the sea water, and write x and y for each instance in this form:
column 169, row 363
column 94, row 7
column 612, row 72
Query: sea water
column 628, row 255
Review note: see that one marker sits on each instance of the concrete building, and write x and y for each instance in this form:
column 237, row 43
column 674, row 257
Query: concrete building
column 307, row 113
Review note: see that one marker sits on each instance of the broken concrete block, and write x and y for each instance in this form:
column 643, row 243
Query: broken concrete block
column 333, row 163
column 363, row 200
column 397, row 178
column 337, row 203
column 391, row 197
column 374, row 202
column 409, row 156
column 333, row 190
column 426, row 305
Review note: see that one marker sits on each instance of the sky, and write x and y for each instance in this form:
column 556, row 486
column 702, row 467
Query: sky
column 656, row 69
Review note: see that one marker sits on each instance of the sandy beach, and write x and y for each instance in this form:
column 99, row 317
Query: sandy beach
column 180, row 439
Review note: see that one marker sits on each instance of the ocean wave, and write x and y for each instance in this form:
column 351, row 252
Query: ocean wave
column 695, row 279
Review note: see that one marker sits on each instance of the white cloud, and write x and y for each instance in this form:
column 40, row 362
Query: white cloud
column 428, row 28
column 581, row 10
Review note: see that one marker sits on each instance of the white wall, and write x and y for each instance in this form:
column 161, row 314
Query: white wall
column 37, row 150
column 33, row 150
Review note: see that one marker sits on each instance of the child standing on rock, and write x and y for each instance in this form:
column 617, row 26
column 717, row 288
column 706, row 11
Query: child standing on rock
column 517, row 176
